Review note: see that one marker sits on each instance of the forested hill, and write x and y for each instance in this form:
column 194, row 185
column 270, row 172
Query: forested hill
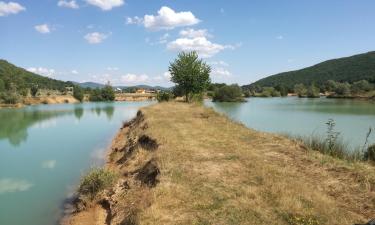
column 19, row 78
column 348, row 69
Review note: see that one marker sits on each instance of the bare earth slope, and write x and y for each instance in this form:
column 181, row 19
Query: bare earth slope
column 186, row 164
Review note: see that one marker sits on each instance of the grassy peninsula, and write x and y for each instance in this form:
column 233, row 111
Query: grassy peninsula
column 178, row 163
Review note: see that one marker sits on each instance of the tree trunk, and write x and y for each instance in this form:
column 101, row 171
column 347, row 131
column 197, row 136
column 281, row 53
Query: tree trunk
column 187, row 97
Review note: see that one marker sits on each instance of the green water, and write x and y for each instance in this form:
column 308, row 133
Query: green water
column 301, row 116
column 45, row 149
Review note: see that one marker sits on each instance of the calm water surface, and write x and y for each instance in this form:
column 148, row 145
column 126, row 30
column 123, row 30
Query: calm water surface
column 45, row 149
column 304, row 117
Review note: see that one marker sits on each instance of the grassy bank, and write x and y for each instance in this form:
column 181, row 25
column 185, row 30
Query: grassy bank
column 186, row 164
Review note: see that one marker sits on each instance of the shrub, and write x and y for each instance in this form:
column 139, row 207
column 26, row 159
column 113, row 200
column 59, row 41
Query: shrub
column 96, row 181
column 164, row 96
column 228, row 93
column 300, row 90
column 361, row 86
column 10, row 97
column 342, row 89
column 34, row 90
column 313, row 92
column 78, row 93
column 370, row 153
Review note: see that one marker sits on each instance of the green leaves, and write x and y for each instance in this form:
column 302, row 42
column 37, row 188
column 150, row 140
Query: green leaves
column 190, row 74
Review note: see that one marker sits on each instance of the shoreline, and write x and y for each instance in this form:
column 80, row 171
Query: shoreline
column 137, row 147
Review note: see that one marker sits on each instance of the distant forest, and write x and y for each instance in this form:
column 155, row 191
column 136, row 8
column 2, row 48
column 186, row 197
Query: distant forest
column 349, row 69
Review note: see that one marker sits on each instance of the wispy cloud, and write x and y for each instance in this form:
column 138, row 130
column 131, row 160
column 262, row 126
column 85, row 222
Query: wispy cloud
column 8, row 185
column 106, row 5
column 43, row 28
column 95, row 37
column 10, row 8
column 68, row 4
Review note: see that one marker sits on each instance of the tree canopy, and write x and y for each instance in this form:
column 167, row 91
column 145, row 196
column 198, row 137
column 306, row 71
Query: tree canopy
column 190, row 74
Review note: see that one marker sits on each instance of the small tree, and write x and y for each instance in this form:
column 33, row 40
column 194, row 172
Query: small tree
column 108, row 94
column 313, row 92
column 343, row 89
column 300, row 90
column 361, row 87
column 228, row 93
column 78, row 93
column 190, row 74
column 34, row 90
column 2, row 86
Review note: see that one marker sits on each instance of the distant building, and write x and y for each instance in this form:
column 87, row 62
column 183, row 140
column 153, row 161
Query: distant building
column 119, row 90
column 141, row 91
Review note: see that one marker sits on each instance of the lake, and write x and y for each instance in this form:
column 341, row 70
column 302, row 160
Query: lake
column 303, row 116
column 45, row 149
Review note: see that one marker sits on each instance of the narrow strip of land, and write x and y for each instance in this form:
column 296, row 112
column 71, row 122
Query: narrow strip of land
column 186, row 164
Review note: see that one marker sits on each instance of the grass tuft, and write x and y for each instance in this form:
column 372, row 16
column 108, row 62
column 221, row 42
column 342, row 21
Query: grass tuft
column 96, row 181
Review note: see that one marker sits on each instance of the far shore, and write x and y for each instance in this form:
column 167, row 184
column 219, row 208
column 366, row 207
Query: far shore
column 69, row 99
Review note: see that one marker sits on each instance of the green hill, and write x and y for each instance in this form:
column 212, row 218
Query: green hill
column 19, row 78
column 348, row 69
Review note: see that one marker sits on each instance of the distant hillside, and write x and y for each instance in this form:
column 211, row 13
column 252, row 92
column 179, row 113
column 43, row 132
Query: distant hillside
column 21, row 78
column 348, row 69
column 98, row 85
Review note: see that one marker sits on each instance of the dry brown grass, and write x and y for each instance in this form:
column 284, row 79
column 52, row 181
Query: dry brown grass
column 216, row 171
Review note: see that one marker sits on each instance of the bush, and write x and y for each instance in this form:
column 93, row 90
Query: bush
column 269, row 92
column 96, row 181
column 10, row 97
column 370, row 153
column 228, row 93
column 164, row 96
column 313, row 92
column 78, row 93
column 361, row 86
column 300, row 90
column 34, row 90
column 342, row 89
column 108, row 94
column 96, row 95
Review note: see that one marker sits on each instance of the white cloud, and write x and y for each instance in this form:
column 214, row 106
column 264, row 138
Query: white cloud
column 219, row 63
column 68, row 4
column 42, row 71
column 74, row 72
column 106, row 4
column 191, row 33
column 166, row 19
column 43, row 28
column 134, row 78
column 49, row 164
column 112, row 68
column 167, row 75
column 14, row 185
column 134, row 20
column 204, row 47
column 95, row 37
column 10, row 8
column 221, row 72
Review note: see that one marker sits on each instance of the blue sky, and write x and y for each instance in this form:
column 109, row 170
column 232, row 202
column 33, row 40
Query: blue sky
column 132, row 41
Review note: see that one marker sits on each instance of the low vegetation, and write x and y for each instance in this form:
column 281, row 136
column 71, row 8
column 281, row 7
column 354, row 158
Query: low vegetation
column 228, row 93
column 331, row 144
column 104, row 94
column 94, row 182
column 164, row 96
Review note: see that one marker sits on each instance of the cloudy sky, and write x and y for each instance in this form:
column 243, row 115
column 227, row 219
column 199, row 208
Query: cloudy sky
column 132, row 42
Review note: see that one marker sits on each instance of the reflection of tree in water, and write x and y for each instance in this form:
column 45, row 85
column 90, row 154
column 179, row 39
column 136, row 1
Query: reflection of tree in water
column 109, row 111
column 14, row 123
column 78, row 112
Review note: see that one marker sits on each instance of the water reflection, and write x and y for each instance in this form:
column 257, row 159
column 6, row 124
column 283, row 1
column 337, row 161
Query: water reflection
column 14, row 123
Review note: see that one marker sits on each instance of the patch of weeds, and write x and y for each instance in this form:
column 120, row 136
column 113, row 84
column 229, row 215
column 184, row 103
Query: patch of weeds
column 296, row 219
column 94, row 182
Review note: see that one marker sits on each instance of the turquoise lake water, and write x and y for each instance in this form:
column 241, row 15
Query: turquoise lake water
column 302, row 116
column 45, row 149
